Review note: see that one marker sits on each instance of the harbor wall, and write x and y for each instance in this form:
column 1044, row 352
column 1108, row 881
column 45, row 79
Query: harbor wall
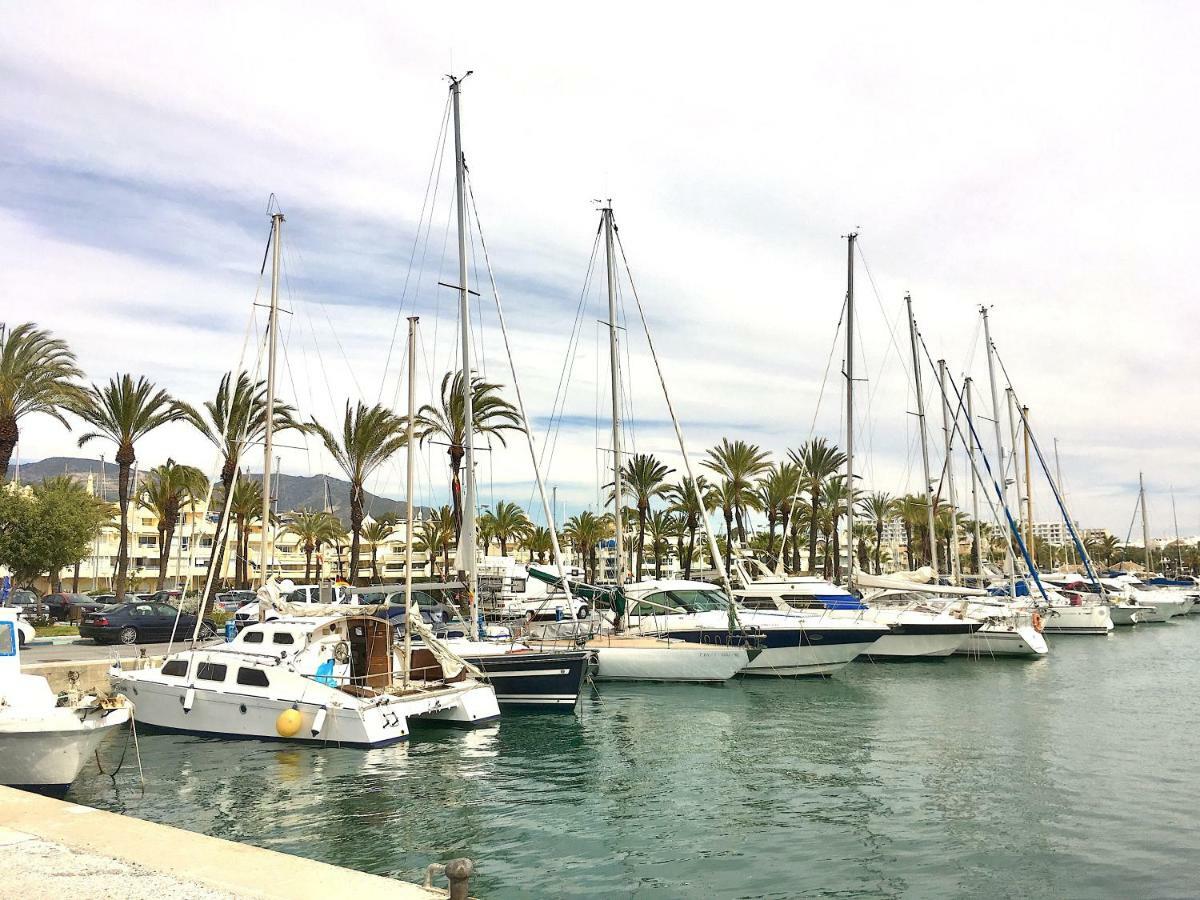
column 91, row 674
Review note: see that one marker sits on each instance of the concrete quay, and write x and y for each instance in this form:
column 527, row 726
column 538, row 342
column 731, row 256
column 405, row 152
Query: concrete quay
column 55, row 849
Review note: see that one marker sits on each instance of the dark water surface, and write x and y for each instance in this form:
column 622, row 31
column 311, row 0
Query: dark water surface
column 1071, row 776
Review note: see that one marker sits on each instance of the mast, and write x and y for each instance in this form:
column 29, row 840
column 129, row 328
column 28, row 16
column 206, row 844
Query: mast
column 850, row 239
column 1145, row 521
column 987, row 339
column 467, row 535
column 409, row 524
column 948, row 429
column 1178, row 545
column 1061, row 487
column 977, row 562
column 912, row 336
column 268, row 439
column 1028, row 481
column 615, row 372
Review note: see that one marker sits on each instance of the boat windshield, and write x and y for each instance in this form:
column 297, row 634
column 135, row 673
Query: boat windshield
column 692, row 600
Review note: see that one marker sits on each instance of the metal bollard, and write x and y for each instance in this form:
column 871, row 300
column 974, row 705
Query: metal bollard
column 458, row 871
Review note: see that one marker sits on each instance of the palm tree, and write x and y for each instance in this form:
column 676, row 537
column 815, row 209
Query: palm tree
column 775, row 493
column 37, row 375
column 663, row 525
column 232, row 421
column 493, row 416
column 124, row 411
column 164, row 492
column 836, row 498
column 643, row 478
column 375, row 533
column 436, row 536
column 879, row 508
column 585, row 531
column 312, row 528
column 686, row 500
column 911, row 510
column 739, row 463
column 724, row 496
column 244, row 509
column 818, row 460
column 537, row 541
column 508, row 522
column 369, row 436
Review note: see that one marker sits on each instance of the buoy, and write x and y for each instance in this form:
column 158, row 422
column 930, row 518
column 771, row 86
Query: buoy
column 288, row 723
column 318, row 721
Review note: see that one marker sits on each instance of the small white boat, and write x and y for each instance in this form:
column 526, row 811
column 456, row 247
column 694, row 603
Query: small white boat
column 44, row 743
column 629, row 657
column 328, row 679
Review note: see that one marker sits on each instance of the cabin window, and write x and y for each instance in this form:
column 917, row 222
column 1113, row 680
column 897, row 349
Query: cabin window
column 283, row 637
column 175, row 667
column 8, row 639
column 518, row 585
column 252, row 637
column 253, row 678
column 207, row 671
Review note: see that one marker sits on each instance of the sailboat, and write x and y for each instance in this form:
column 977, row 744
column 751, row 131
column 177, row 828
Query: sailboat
column 312, row 674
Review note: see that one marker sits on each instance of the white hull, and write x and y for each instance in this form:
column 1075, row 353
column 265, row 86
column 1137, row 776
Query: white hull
column 916, row 646
column 51, row 759
column 673, row 661
column 1004, row 640
column 1173, row 607
column 807, row 659
column 1126, row 615
column 1088, row 619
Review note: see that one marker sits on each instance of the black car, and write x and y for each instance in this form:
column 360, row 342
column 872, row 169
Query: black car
column 22, row 599
column 59, row 606
column 133, row 623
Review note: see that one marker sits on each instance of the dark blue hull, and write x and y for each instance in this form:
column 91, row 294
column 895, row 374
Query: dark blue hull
column 550, row 679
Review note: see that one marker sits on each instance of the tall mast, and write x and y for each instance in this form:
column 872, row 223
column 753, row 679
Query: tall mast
column 1178, row 545
column 467, row 536
column 850, row 239
column 1028, row 483
column 977, row 562
column 987, row 339
column 409, row 522
column 1010, row 397
column 268, row 439
column 948, row 430
column 912, row 336
column 1062, row 488
column 1145, row 521
column 615, row 372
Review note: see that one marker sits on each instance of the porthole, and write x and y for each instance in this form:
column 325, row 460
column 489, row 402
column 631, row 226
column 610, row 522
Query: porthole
column 243, row 708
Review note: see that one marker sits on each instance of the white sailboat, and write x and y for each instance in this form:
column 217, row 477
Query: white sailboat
column 44, row 743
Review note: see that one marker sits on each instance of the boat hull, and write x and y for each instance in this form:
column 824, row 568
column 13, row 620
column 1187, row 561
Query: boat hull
column 49, row 761
column 908, row 642
column 1126, row 615
column 1089, row 619
column 1004, row 640
column 673, row 661
column 551, row 679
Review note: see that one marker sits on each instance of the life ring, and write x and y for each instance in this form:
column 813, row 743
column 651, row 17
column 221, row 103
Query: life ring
column 1037, row 622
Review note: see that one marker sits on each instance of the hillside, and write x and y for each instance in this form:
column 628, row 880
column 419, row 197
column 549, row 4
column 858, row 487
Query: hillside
column 295, row 491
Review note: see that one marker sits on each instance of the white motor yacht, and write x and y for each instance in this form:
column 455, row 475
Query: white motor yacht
column 324, row 679
column 46, row 740
column 791, row 642
column 1077, row 588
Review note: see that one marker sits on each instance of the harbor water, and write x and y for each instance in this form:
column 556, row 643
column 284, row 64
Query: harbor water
column 1069, row 776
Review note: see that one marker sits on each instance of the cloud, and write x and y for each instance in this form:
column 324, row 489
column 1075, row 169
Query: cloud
column 1034, row 162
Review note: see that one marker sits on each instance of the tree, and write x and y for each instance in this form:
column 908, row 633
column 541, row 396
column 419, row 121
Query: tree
column 508, row 522
column 375, row 533
column 437, row 535
column 537, row 541
column 691, row 502
column 836, row 498
column 37, row 375
column 312, row 528
column 879, row 508
column 911, row 508
column 245, row 509
column 164, row 492
column 724, row 496
column 493, row 416
column 740, row 464
column 818, row 460
column 233, row 421
column 585, row 531
column 124, row 411
column 775, row 494
column 369, row 436
column 663, row 525
column 643, row 478
column 48, row 528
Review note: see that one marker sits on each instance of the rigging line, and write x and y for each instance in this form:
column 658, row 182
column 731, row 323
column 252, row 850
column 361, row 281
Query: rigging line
column 879, row 302
column 325, row 311
column 438, row 152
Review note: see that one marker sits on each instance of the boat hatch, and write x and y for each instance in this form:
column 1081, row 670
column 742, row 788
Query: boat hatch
column 370, row 651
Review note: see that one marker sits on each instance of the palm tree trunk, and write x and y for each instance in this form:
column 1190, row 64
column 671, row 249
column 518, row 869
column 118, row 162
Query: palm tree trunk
column 308, row 555
column 456, row 455
column 375, row 563
column 728, row 539
column 641, row 544
column 741, row 523
column 9, row 434
column 503, row 547
column 356, row 520
column 75, row 579
column 164, row 552
column 691, row 550
column 878, row 546
column 815, row 497
column 125, row 459
column 837, row 552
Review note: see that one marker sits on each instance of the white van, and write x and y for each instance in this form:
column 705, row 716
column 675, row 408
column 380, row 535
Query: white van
column 299, row 595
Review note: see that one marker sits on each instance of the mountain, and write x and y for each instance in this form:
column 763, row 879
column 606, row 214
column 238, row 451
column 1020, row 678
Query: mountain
column 295, row 491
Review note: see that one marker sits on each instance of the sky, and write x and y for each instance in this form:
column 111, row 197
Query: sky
column 1040, row 163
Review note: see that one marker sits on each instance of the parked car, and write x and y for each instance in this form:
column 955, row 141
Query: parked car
column 171, row 597
column 22, row 599
column 232, row 601
column 303, row 594
column 59, row 606
column 134, row 623
column 25, row 632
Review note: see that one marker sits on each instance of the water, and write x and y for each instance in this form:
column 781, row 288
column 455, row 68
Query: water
column 1072, row 776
